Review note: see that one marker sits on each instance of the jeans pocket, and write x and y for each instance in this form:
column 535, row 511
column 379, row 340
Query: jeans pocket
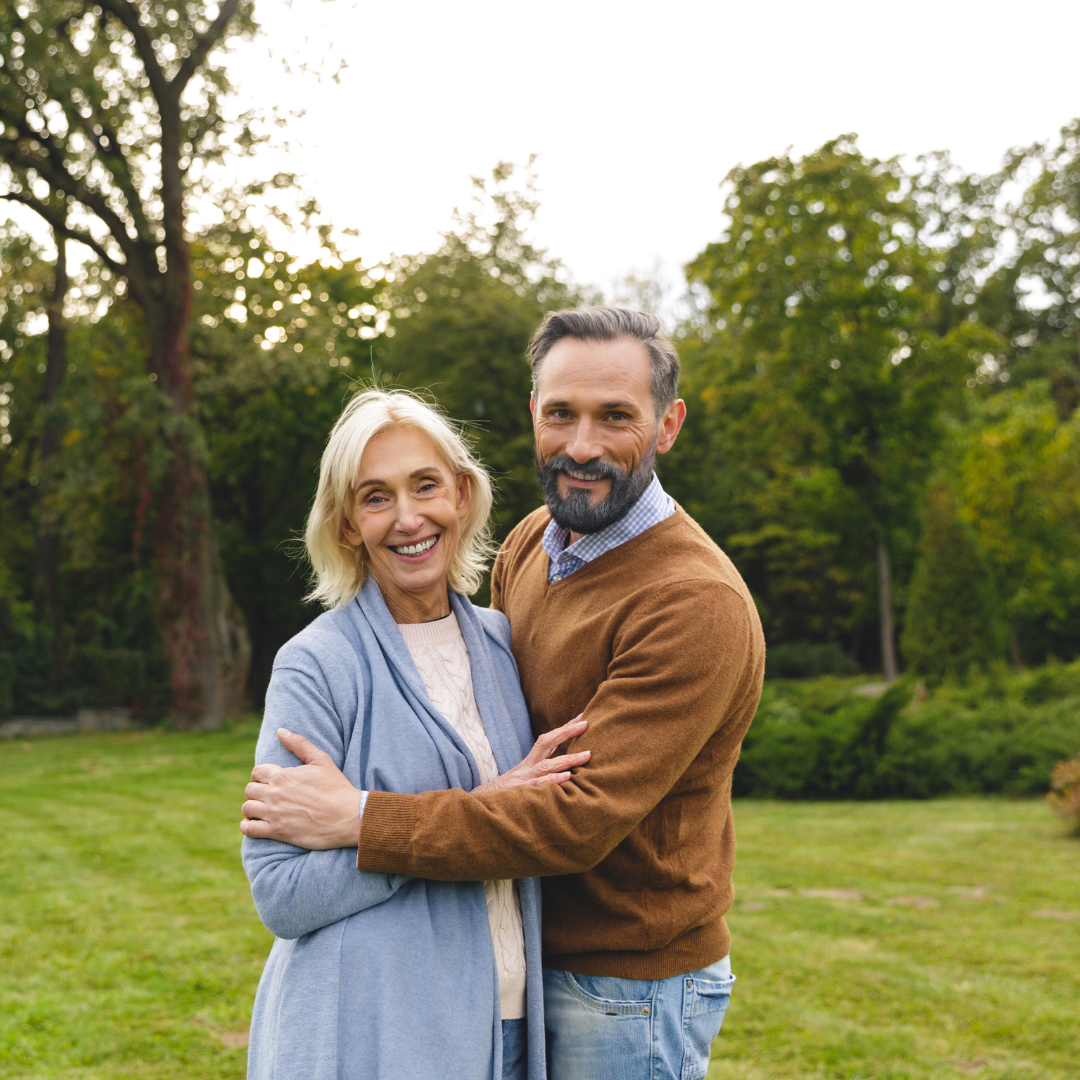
column 615, row 997
column 709, row 1002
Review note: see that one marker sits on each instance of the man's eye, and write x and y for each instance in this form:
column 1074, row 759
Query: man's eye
column 617, row 416
column 560, row 414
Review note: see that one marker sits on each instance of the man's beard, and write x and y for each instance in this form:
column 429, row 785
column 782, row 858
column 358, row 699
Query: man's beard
column 577, row 512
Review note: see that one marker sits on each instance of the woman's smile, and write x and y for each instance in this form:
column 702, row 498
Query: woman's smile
column 417, row 550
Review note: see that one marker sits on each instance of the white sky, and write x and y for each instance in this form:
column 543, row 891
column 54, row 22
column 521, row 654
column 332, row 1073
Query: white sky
column 637, row 110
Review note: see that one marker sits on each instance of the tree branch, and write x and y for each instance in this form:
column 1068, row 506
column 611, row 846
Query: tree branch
column 121, row 174
column 144, row 45
column 193, row 60
column 54, row 172
column 56, row 220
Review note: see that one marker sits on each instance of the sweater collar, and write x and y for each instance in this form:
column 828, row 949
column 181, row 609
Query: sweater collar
column 373, row 606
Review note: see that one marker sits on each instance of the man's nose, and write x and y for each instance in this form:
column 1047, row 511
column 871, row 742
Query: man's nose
column 584, row 444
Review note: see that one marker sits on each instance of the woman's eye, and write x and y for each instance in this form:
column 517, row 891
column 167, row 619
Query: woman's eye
column 427, row 487
column 376, row 500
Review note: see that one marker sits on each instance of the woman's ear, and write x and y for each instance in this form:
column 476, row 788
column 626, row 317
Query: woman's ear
column 464, row 495
column 351, row 532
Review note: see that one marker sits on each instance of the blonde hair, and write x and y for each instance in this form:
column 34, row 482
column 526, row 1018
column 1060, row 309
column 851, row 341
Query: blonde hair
column 339, row 569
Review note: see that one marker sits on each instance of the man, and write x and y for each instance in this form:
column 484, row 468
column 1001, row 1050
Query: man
column 621, row 608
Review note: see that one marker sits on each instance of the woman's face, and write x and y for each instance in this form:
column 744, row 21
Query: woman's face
column 407, row 511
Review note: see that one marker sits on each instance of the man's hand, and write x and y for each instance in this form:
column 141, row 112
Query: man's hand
column 539, row 767
column 311, row 805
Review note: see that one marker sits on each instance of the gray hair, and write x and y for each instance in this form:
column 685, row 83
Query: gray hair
column 609, row 324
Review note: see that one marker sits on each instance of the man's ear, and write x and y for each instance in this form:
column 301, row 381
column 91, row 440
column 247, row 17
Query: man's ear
column 532, row 403
column 670, row 425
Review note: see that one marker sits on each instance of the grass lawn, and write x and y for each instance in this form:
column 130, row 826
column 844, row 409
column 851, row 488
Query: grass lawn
column 888, row 940
column 872, row 940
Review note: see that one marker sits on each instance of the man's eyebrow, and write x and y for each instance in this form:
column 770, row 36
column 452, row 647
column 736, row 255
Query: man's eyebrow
column 626, row 406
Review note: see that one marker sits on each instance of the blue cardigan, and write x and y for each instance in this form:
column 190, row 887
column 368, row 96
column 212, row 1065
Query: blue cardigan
column 377, row 976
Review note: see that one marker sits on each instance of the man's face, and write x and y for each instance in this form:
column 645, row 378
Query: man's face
column 593, row 408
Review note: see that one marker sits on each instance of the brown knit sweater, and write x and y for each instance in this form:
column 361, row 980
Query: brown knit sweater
column 659, row 643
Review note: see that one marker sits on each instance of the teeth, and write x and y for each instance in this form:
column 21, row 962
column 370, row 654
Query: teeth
column 578, row 475
column 415, row 549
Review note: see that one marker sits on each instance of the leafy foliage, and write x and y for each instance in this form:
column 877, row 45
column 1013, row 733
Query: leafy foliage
column 954, row 616
column 864, row 375
column 1018, row 477
column 993, row 733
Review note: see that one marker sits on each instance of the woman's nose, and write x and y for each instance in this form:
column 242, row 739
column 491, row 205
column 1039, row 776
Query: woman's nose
column 409, row 517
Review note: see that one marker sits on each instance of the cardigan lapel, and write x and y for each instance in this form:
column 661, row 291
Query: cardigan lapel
column 485, row 690
column 399, row 660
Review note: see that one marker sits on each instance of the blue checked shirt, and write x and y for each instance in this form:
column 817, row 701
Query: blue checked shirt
column 653, row 507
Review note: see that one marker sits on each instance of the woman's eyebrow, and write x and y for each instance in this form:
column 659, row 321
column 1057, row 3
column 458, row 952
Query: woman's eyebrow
column 427, row 469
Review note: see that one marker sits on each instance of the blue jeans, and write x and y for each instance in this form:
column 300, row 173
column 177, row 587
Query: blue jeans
column 515, row 1050
column 601, row 1028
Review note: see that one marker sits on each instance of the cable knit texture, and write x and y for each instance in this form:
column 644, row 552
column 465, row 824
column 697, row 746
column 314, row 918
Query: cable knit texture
column 443, row 662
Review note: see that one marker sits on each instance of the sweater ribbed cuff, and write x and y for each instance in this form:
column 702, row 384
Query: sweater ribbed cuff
column 386, row 831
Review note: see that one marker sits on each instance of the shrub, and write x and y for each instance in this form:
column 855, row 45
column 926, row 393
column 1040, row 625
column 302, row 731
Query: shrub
column 1064, row 793
column 996, row 732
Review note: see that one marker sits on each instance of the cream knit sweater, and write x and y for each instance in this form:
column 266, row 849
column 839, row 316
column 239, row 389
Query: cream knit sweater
column 442, row 659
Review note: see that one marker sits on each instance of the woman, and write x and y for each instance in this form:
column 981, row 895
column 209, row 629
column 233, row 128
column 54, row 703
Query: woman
column 408, row 688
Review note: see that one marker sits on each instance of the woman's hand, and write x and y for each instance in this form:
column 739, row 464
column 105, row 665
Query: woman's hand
column 540, row 767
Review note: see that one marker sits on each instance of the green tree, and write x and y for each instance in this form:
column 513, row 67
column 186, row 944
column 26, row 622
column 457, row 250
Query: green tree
column 102, row 647
column 104, row 111
column 819, row 357
column 1018, row 484
column 1043, row 277
column 954, row 617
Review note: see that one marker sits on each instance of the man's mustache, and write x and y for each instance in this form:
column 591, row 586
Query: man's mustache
column 597, row 468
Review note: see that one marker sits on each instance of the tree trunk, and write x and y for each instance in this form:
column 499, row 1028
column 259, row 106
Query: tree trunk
column 46, row 541
column 203, row 629
column 889, row 667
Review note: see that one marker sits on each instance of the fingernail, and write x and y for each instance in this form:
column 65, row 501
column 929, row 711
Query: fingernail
column 283, row 731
